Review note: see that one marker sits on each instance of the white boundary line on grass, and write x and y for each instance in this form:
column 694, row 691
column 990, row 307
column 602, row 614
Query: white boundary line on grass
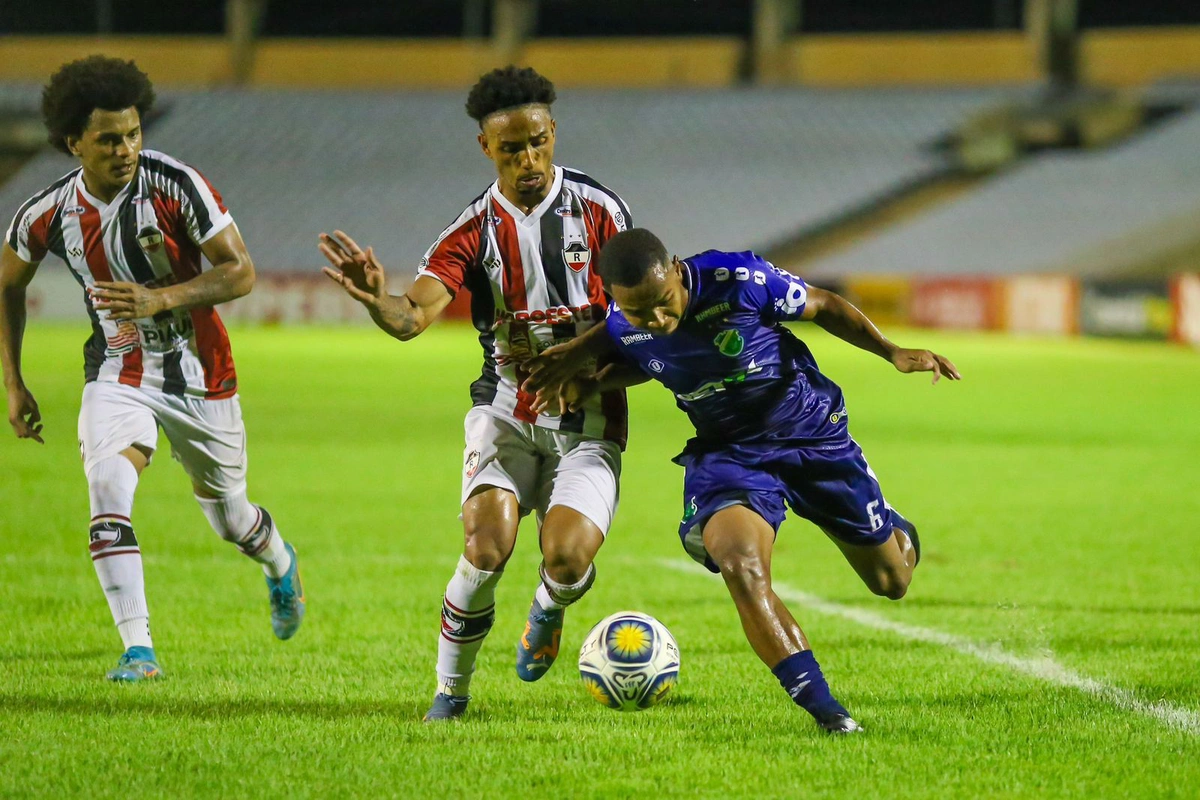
column 1043, row 668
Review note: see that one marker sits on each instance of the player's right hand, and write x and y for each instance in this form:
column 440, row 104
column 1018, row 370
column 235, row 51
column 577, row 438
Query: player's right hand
column 355, row 270
column 23, row 414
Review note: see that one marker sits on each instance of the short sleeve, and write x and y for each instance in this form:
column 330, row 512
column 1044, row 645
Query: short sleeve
column 203, row 210
column 452, row 254
column 28, row 233
column 781, row 296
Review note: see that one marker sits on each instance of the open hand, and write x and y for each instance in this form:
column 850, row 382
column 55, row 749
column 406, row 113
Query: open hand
column 355, row 270
column 551, row 368
column 569, row 396
column 907, row 360
column 23, row 414
column 125, row 300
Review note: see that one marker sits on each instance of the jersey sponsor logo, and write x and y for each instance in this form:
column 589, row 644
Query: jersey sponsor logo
column 577, row 256
column 837, row 416
column 712, row 311
column 75, row 252
column 550, row 316
column 634, row 338
column 657, row 365
column 712, row 387
column 565, row 211
column 491, row 219
column 619, row 218
column 73, row 211
column 125, row 340
column 730, row 343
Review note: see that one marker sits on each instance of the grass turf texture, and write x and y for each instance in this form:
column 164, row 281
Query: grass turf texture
column 1055, row 488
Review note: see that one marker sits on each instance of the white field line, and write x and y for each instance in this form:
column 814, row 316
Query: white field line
column 1043, row 668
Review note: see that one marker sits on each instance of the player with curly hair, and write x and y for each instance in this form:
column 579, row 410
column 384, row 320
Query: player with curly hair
column 525, row 250
column 131, row 225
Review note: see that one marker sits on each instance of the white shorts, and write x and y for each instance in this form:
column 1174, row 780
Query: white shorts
column 207, row 436
column 542, row 467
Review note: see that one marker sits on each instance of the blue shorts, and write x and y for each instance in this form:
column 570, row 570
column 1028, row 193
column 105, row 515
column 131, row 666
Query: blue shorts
column 831, row 486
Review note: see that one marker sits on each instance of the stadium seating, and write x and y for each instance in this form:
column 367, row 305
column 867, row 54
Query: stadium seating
column 726, row 169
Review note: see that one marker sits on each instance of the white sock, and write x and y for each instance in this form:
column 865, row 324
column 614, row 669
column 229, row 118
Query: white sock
column 114, row 548
column 468, row 610
column 542, row 595
column 251, row 528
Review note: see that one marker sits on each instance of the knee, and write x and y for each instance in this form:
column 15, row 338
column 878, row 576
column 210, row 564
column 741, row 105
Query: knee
column 743, row 571
column 564, row 564
column 889, row 584
column 486, row 547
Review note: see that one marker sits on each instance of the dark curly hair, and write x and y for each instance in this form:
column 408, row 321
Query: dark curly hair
column 82, row 86
column 630, row 256
column 508, row 87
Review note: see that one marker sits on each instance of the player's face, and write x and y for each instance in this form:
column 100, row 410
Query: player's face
column 657, row 303
column 521, row 144
column 109, row 149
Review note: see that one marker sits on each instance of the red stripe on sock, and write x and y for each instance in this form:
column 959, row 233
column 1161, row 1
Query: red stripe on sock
column 122, row 553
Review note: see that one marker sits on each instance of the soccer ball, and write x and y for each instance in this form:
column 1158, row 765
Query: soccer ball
column 629, row 661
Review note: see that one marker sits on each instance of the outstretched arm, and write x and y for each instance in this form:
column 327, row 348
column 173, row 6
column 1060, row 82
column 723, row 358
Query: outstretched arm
column 838, row 316
column 556, row 365
column 363, row 277
column 231, row 277
column 15, row 275
column 573, row 394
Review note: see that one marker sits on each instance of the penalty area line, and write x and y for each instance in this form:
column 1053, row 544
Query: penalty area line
column 1043, row 668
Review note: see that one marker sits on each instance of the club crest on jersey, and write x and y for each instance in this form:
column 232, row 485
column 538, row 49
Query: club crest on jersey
column 577, row 256
column 125, row 340
column 472, row 463
column 730, row 343
column 150, row 239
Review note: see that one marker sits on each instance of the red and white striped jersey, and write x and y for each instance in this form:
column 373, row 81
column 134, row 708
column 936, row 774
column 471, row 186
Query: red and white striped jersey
column 150, row 234
column 533, row 283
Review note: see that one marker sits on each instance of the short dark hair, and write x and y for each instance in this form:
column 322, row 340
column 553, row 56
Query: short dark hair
column 82, row 86
column 627, row 258
column 508, row 87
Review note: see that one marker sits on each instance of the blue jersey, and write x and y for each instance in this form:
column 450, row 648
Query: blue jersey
column 738, row 373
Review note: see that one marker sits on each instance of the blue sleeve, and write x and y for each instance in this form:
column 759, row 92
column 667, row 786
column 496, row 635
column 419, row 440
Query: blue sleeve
column 778, row 296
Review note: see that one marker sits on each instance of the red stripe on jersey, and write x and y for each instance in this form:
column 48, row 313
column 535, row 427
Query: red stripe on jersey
column 216, row 357
column 39, row 235
column 216, row 195
column 97, row 261
column 515, row 299
column 455, row 254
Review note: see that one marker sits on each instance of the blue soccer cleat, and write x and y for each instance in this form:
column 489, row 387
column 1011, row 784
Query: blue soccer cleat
column 137, row 664
column 539, row 643
column 446, row 706
column 287, row 599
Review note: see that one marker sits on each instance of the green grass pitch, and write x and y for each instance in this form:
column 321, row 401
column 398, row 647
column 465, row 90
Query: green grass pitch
column 1049, row 645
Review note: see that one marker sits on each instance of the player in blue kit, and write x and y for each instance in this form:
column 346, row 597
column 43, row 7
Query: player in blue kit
column 771, row 429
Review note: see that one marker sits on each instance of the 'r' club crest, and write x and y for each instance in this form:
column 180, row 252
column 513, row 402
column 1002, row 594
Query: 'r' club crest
column 150, row 239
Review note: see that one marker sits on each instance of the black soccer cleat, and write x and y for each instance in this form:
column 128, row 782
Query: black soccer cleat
column 838, row 723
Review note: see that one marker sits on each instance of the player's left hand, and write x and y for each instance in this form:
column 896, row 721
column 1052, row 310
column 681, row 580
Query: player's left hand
column 907, row 360
column 126, row 300
column 551, row 368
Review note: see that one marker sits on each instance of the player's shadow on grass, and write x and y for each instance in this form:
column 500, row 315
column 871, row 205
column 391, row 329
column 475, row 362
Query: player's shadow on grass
column 1002, row 605
column 128, row 701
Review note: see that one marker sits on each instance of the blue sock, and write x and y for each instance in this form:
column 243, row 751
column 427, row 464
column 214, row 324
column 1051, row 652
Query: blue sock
column 800, row 676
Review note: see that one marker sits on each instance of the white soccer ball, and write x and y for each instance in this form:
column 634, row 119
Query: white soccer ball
column 629, row 661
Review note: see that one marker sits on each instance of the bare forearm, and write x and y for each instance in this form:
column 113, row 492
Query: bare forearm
column 12, row 333
column 222, row 283
column 843, row 320
column 619, row 376
column 397, row 316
